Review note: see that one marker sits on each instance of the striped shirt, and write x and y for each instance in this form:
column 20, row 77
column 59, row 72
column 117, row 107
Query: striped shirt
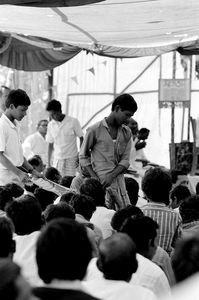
column 169, row 222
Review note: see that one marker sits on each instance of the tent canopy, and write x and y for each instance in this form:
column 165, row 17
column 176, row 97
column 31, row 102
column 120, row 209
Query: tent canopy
column 35, row 38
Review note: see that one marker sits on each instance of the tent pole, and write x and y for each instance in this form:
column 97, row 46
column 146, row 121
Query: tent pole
column 115, row 79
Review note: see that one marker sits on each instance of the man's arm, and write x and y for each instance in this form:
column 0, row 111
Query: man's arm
column 50, row 151
column 9, row 165
column 29, row 168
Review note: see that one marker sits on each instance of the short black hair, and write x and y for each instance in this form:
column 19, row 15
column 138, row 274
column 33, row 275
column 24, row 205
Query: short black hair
column 60, row 210
column 126, row 102
column 63, row 251
column 53, row 105
column 44, row 197
column 143, row 130
column 5, row 197
column 15, row 189
column 189, row 209
column 17, row 98
column 185, row 259
column 83, row 205
column 67, row 197
column 124, row 213
column 66, row 181
column 35, row 161
column 93, row 188
column 141, row 229
column 156, row 184
column 25, row 212
column 52, row 174
column 180, row 192
column 6, row 237
column 132, row 188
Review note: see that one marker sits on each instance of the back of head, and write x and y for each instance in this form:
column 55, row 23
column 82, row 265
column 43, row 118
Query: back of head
column 5, row 197
column 44, row 197
column 15, row 190
column 126, row 102
column 17, row 98
column 180, row 193
column 67, row 197
column 83, row 205
column 53, row 105
column 124, row 213
column 63, row 251
column 132, row 188
column 52, row 174
column 156, row 185
column 175, row 173
column 60, row 210
column 25, row 212
column 185, row 260
column 143, row 231
column 117, row 257
column 66, row 181
column 189, row 209
column 6, row 237
column 143, row 133
column 93, row 188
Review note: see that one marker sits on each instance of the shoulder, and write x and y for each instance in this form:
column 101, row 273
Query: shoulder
column 95, row 126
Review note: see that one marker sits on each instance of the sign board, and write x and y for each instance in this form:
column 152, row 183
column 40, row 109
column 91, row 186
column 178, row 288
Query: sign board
column 174, row 90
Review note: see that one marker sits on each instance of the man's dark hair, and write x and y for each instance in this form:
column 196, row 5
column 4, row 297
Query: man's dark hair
column 66, row 181
column 124, row 213
column 189, row 209
column 93, row 188
column 67, row 197
column 15, row 190
column 117, row 257
column 52, row 174
column 53, row 105
column 6, row 237
column 142, row 230
column 132, row 188
column 60, row 210
column 126, row 102
column 5, row 197
column 83, row 205
column 180, row 192
column 17, row 98
column 144, row 130
column 9, row 272
column 63, row 251
column 25, row 212
column 185, row 260
column 35, row 161
column 44, row 197
column 175, row 173
column 156, row 184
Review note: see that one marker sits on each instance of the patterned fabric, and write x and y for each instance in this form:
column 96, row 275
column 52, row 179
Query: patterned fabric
column 66, row 167
column 169, row 222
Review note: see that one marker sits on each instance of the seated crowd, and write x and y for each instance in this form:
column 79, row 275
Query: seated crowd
column 71, row 246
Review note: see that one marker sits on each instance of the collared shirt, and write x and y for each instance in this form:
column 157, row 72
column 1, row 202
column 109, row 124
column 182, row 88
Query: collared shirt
column 10, row 143
column 169, row 222
column 102, row 219
column 102, row 152
column 35, row 144
column 64, row 137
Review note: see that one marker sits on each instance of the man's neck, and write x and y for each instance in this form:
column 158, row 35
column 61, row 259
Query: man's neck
column 110, row 120
column 9, row 116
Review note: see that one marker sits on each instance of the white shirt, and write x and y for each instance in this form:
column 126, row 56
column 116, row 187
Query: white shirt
column 64, row 137
column 35, row 144
column 10, row 143
column 102, row 219
column 116, row 289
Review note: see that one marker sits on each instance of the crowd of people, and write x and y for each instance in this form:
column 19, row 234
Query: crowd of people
column 112, row 231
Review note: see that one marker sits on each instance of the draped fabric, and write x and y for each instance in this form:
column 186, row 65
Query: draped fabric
column 49, row 3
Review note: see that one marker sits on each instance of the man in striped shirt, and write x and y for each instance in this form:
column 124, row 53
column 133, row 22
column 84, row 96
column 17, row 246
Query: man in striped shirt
column 156, row 186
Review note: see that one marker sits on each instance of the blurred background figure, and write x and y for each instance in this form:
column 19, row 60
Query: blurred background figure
column 4, row 91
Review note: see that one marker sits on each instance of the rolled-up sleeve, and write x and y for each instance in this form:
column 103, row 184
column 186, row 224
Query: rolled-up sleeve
column 126, row 156
column 86, row 147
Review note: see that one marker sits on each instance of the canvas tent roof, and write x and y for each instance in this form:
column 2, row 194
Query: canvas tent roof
column 35, row 38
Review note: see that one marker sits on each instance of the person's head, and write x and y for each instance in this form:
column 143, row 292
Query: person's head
column 143, row 133
column 66, row 181
column 13, row 286
column 44, row 197
column 133, row 125
column 124, row 213
column 4, row 91
column 15, row 190
column 63, row 251
column 179, row 177
column 17, row 103
column 7, row 247
column 67, row 197
column 178, row 194
column 117, row 257
column 52, row 174
column 93, row 188
column 5, row 197
column 185, row 259
column 156, row 185
column 132, row 188
column 60, row 210
column 37, row 163
column 42, row 127
column 25, row 213
column 123, row 107
column 143, row 231
column 83, row 205
column 54, row 109
column 189, row 209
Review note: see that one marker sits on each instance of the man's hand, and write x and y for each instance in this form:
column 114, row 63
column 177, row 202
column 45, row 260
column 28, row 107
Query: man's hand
column 140, row 145
column 107, row 181
column 36, row 174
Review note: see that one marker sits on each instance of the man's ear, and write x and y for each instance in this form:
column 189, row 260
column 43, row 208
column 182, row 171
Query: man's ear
column 117, row 108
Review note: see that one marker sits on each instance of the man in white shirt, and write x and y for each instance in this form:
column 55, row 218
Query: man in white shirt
column 117, row 261
column 62, row 135
column 35, row 144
